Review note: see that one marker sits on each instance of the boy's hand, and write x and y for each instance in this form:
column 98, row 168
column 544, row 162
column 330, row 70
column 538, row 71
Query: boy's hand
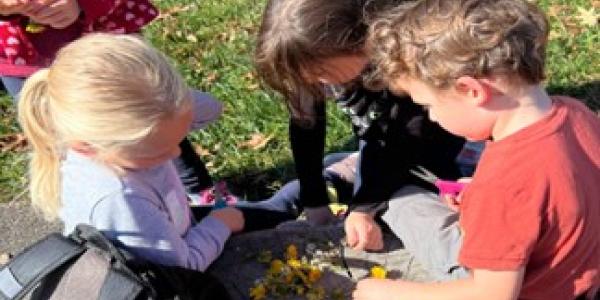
column 10, row 7
column 453, row 202
column 231, row 217
column 362, row 233
column 319, row 215
column 374, row 289
column 55, row 13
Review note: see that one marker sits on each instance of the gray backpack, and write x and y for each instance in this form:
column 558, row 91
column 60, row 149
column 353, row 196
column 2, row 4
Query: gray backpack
column 86, row 265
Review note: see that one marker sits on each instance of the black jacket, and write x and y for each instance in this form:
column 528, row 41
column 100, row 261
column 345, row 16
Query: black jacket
column 396, row 135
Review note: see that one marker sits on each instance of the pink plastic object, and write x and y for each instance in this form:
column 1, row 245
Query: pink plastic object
column 447, row 187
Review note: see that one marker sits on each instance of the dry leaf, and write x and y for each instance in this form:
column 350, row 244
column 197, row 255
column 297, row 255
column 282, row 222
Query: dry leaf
column 257, row 141
column 587, row 17
column 4, row 258
column 171, row 11
column 557, row 9
column 201, row 151
column 13, row 142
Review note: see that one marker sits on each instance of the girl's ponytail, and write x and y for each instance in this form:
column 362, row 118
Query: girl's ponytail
column 35, row 117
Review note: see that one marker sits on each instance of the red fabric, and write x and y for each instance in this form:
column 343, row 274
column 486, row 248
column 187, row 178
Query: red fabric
column 535, row 201
column 22, row 53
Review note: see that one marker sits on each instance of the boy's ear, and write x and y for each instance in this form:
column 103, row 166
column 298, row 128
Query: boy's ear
column 473, row 90
column 83, row 148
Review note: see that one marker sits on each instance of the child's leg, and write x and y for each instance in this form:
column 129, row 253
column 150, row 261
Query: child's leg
column 428, row 229
column 191, row 169
column 255, row 217
column 13, row 86
column 340, row 171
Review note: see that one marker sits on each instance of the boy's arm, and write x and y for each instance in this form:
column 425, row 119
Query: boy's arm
column 483, row 284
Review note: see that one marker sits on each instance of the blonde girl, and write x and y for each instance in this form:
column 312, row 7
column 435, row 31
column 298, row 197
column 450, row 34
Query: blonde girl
column 105, row 120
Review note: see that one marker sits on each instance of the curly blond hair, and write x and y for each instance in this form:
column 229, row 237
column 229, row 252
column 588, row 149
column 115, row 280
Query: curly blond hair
column 438, row 41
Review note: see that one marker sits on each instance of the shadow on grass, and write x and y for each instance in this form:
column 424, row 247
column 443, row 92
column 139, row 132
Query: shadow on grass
column 588, row 93
column 256, row 184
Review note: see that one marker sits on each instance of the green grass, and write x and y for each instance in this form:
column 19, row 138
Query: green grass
column 211, row 42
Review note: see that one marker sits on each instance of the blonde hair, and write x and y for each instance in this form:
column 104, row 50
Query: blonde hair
column 438, row 41
column 108, row 91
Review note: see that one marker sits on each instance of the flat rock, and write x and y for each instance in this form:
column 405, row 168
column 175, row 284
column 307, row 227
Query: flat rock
column 239, row 266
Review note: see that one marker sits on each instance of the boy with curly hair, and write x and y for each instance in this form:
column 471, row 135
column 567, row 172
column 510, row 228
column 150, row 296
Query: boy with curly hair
column 529, row 220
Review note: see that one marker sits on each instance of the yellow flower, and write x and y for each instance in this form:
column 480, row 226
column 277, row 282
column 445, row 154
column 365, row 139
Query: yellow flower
column 294, row 263
column 378, row 272
column 258, row 292
column 276, row 266
column 314, row 274
column 34, row 27
column 291, row 252
column 289, row 277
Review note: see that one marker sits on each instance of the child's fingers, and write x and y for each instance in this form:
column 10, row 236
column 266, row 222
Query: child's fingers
column 363, row 240
column 465, row 179
column 351, row 237
column 376, row 240
column 451, row 201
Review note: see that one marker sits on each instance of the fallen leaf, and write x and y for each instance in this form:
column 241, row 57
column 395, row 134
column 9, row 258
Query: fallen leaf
column 557, row 10
column 16, row 142
column 587, row 17
column 191, row 38
column 201, row 151
column 257, row 141
column 172, row 11
column 4, row 258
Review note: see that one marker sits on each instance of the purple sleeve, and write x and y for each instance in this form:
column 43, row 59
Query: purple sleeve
column 145, row 229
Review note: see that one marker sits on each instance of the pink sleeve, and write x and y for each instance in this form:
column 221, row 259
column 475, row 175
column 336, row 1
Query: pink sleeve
column 118, row 16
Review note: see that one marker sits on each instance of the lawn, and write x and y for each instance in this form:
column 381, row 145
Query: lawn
column 211, row 42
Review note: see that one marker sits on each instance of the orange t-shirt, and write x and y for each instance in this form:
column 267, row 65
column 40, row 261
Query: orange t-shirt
column 535, row 201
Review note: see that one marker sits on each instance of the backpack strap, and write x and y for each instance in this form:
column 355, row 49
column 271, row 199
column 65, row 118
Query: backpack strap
column 121, row 282
column 24, row 272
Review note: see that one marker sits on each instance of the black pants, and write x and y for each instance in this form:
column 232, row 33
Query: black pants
column 191, row 169
column 254, row 218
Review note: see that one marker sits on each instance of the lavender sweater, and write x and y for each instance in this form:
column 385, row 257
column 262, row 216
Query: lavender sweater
column 145, row 211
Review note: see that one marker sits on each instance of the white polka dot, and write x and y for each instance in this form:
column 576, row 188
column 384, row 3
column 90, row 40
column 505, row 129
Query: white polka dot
column 130, row 4
column 129, row 16
column 142, row 7
column 10, row 51
column 139, row 22
column 20, row 61
column 3, row 23
column 12, row 30
column 152, row 12
column 12, row 41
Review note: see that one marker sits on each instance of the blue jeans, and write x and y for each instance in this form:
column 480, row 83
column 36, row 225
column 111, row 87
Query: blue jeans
column 13, row 86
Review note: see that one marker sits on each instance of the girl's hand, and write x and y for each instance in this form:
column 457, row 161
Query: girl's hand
column 11, row 7
column 55, row 13
column 231, row 217
column 362, row 233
